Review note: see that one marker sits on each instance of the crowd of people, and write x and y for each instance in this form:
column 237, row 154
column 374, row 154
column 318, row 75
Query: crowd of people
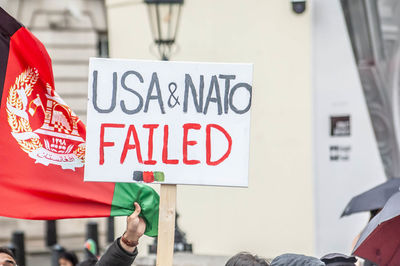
column 123, row 251
column 120, row 254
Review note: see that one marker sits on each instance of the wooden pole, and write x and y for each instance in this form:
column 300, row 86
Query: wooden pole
column 166, row 225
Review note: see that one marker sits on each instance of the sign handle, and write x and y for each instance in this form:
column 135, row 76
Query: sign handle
column 166, row 225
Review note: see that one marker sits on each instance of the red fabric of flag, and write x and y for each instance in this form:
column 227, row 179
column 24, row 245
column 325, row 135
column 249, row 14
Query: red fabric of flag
column 42, row 141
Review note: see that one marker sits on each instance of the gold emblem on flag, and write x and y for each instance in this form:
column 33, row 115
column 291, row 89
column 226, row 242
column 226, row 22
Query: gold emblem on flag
column 48, row 133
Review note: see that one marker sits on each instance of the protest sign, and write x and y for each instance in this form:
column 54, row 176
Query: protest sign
column 168, row 122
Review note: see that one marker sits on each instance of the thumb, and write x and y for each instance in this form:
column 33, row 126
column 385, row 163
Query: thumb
column 138, row 209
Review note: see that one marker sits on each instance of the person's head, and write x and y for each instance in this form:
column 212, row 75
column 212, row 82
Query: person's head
column 246, row 259
column 338, row 259
column 67, row 258
column 290, row 259
column 6, row 257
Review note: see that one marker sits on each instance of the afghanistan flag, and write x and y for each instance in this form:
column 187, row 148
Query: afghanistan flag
column 42, row 144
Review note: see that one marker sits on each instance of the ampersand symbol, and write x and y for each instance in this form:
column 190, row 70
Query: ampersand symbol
column 172, row 89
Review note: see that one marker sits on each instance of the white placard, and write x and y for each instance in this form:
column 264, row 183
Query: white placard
column 168, row 122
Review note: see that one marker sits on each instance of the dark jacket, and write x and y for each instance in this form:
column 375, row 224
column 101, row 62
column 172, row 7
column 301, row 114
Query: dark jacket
column 115, row 255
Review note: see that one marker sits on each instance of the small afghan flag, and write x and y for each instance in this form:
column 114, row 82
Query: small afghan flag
column 42, row 144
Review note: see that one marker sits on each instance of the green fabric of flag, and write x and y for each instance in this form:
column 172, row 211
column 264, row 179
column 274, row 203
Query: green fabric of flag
column 125, row 194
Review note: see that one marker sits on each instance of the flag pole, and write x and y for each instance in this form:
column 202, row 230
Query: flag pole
column 166, row 225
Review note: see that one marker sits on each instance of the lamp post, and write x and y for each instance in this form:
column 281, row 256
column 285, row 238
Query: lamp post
column 164, row 18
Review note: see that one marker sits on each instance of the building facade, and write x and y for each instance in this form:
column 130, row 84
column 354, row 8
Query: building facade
column 312, row 141
column 275, row 213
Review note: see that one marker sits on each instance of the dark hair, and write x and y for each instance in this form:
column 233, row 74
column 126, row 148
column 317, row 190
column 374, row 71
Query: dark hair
column 246, row 259
column 7, row 251
column 88, row 262
column 339, row 259
column 373, row 213
column 70, row 256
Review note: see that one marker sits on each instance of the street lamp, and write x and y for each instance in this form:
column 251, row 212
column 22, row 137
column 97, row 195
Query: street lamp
column 164, row 20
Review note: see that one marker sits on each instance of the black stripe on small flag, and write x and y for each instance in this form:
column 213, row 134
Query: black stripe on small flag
column 8, row 26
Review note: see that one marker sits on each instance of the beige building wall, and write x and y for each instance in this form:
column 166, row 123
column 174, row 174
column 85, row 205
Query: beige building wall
column 276, row 213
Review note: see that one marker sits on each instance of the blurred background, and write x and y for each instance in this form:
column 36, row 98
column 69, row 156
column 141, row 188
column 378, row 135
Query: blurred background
column 325, row 114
